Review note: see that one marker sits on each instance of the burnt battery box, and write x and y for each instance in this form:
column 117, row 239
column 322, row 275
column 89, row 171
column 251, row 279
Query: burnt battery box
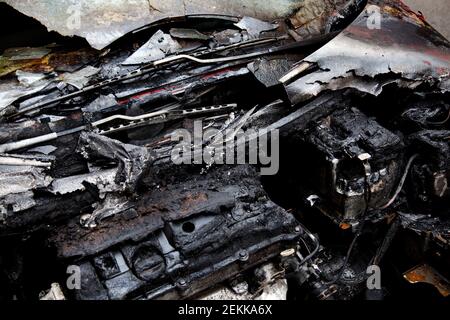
column 349, row 154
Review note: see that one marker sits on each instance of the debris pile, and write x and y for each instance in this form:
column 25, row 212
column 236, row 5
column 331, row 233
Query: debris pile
column 142, row 165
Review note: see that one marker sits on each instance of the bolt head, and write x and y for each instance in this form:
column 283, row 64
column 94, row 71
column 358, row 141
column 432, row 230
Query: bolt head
column 243, row 255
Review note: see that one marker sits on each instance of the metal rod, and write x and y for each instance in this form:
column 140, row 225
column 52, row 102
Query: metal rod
column 139, row 73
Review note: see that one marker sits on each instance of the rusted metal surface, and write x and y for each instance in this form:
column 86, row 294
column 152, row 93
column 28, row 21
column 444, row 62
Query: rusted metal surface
column 55, row 60
column 405, row 50
column 426, row 274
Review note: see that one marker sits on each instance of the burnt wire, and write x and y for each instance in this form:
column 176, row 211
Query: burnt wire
column 381, row 252
column 349, row 254
column 367, row 197
column 389, row 236
column 441, row 122
column 386, row 241
column 314, row 252
column 402, row 182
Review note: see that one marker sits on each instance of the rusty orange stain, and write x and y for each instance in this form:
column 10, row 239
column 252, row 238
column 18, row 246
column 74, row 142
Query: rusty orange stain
column 345, row 226
column 415, row 277
column 404, row 11
column 48, row 63
column 426, row 274
column 193, row 199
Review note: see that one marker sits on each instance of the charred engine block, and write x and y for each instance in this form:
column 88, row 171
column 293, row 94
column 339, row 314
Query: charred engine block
column 192, row 233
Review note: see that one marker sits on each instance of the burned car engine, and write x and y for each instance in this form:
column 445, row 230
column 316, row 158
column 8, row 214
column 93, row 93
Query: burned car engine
column 294, row 150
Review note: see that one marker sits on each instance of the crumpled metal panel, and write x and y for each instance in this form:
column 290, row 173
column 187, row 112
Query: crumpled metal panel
column 102, row 22
column 405, row 50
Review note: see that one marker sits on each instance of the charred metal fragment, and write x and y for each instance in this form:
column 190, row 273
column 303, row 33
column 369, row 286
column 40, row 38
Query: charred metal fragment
column 410, row 53
column 183, row 231
column 132, row 161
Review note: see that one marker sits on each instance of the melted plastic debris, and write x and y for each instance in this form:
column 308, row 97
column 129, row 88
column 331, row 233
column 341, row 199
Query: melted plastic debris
column 132, row 160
